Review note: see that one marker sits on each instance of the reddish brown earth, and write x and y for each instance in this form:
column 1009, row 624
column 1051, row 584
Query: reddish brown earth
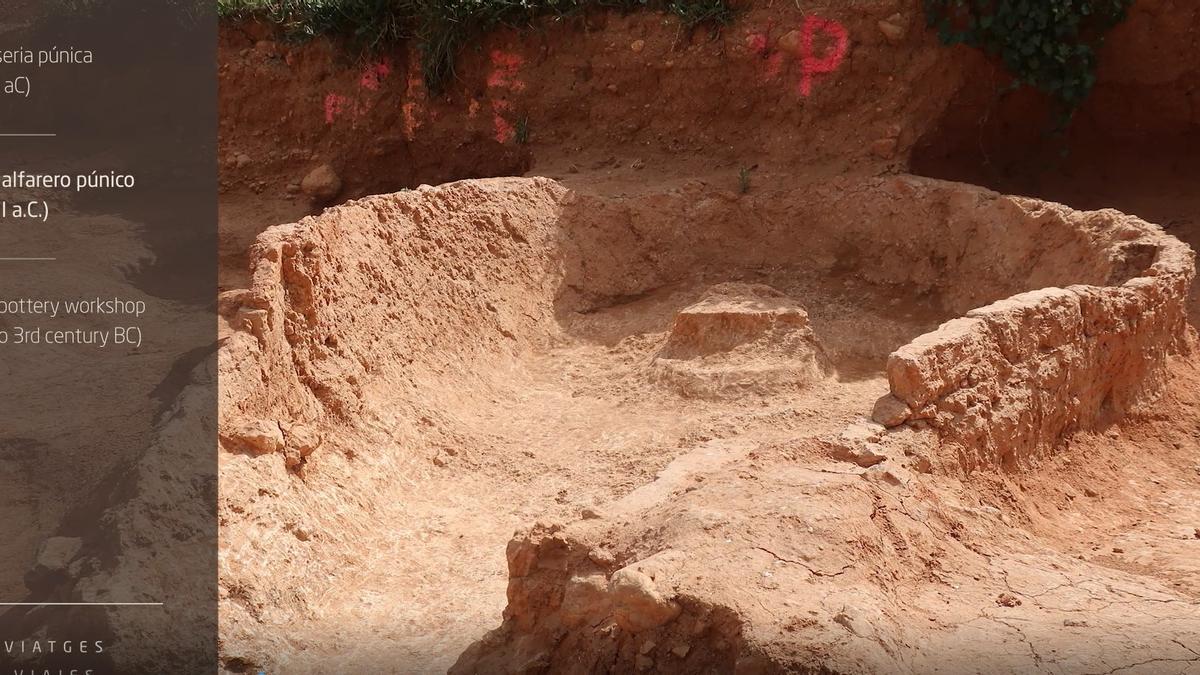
column 664, row 383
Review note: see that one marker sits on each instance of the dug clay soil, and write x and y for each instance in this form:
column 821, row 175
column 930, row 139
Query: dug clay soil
column 711, row 382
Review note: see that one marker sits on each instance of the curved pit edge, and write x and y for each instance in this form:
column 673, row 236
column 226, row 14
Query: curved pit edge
column 1014, row 377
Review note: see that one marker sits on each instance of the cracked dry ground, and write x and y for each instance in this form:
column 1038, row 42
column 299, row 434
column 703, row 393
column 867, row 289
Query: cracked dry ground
column 1086, row 564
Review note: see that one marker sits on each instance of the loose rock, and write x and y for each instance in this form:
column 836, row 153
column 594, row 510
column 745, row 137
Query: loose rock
column 895, row 477
column 885, row 148
column 56, row 553
column 638, row 604
column 585, row 600
column 322, row 184
column 1007, row 600
column 890, row 411
column 301, row 438
column 865, row 455
column 258, row 437
column 791, row 41
column 893, row 29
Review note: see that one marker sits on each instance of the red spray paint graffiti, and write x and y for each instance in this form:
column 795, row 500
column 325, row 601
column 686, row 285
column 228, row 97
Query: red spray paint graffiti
column 505, row 131
column 415, row 93
column 504, row 77
column 373, row 75
column 820, row 46
column 361, row 101
column 760, row 45
column 505, row 68
column 335, row 105
column 812, row 65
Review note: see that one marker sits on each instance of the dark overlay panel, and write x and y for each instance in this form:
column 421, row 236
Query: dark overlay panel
column 107, row 337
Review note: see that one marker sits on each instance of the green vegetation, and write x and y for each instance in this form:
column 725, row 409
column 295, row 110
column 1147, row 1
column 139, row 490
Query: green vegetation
column 443, row 28
column 1047, row 44
column 743, row 180
column 521, row 135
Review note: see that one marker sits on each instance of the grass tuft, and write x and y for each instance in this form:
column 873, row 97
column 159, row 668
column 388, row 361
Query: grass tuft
column 522, row 132
column 443, row 28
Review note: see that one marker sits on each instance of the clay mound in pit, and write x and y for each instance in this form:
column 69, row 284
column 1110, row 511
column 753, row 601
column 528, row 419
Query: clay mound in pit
column 469, row 358
column 741, row 339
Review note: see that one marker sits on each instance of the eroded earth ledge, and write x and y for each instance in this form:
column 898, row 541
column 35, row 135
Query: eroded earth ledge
column 454, row 350
column 1021, row 373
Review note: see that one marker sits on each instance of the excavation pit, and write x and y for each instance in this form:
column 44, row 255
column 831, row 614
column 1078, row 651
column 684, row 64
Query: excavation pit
column 516, row 334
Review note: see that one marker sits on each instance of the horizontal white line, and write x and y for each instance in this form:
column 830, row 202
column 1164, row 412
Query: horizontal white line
column 81, row 604
column 28, row 135
column 25, row 259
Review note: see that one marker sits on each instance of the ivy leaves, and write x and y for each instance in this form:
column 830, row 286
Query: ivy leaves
column 1047, row 44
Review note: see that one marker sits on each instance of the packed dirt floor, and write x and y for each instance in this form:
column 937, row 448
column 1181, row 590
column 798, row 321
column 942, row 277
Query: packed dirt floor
column 659, row 359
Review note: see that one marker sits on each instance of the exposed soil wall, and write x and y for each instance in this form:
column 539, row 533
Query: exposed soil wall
column 637, row 89
column 346, row 301
column 560, row 584
column 361, row 329
column 1144, row 102
column 951, row 246
column 829, row 82
column 326, row 291
column 1019, row 374
column 1131, row 141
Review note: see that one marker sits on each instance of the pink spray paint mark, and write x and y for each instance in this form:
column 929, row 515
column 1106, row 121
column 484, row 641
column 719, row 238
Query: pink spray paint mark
column 414, row 110
column 335, row 104
column 412, row 122
column 375, row 74
column 811, row 65
column 505, row 68
column 505, row 131
column 757, row 43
